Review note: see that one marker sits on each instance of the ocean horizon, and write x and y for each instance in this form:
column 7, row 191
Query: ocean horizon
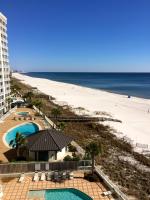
column 131, row 84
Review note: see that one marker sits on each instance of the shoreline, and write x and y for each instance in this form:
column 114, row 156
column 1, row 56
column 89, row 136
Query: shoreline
column 101, row 89
column 133, row 112
column 72, row 84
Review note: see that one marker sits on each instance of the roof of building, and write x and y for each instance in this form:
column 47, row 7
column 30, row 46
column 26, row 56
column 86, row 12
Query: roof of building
column 3, row 16
column 48, row 140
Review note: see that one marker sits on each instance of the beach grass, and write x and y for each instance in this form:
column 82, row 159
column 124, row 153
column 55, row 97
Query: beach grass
column 132, row 178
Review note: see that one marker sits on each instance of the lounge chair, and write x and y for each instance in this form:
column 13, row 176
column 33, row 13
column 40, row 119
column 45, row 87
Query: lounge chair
column 56, row 177
column 67, row 174
column 1, row 192
column 21, row 178
column 71, row 175
column 49, row 176
column 107, row 193
column 64, row 175
column 43, row 177
column 36, row 176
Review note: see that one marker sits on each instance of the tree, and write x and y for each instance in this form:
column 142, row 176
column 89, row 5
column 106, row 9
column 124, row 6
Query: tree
column 55, row 113
column 61, row 126
column 9, row 101
column 18, row 142
column 37, row 103
column 15, row 87
column 28, row 96
column 93, row 149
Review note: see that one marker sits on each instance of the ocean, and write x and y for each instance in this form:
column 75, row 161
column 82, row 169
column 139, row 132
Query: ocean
column 133, row 84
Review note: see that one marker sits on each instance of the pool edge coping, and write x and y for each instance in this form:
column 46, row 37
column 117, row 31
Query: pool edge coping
column 92, row 198
column 20, row 112
column 4, row 135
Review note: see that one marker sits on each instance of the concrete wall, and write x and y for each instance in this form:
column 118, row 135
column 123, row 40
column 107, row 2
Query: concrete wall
column 51, row 155
column 61, row 154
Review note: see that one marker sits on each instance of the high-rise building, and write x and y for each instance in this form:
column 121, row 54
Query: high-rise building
column 4, row 66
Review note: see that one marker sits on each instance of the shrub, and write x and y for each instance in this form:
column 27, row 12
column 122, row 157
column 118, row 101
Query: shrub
column 37, row 114
column 21, row 158
column 91, row 178
column 75, row 157
column 67, row 158
column 72, row 148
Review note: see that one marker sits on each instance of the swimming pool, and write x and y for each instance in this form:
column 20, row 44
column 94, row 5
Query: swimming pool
column 25, row 129
column 23, row 113
column 59, row 194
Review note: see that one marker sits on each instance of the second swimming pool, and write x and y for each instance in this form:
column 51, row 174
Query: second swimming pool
column 59, row 194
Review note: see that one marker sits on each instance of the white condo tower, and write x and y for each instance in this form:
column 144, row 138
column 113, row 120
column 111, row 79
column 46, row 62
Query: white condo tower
column 4, row 66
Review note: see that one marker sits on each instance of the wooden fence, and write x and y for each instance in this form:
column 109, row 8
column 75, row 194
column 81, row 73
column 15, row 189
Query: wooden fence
column 27, row 167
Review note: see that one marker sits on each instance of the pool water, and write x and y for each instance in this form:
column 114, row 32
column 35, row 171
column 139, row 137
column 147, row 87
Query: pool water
column 25, row 129
column 23, row 113
column 59, row 194
column 66, row 194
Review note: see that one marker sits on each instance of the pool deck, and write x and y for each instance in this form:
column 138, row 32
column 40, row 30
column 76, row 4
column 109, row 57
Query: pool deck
column 19, row 191
column 9, row 123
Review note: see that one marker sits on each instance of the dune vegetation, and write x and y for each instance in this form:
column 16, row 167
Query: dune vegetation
column 126, row 168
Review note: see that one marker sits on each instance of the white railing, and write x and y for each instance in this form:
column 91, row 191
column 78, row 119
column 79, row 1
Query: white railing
column 98, row 170
column 106, row 180
column 52, row 124
column 110, row 184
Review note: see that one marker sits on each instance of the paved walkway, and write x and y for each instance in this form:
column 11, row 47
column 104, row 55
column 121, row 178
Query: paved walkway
column 9, row 123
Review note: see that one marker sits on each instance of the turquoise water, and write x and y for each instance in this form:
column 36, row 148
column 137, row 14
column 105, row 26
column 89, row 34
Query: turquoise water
column 23, row 113
column 65, row 194
column 59, row 194
column 25, row 129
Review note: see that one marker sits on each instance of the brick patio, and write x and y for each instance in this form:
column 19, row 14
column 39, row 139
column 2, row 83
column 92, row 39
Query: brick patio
column 19, row 191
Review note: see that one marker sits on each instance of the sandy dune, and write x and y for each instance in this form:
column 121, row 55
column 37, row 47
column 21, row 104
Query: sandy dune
column 133, row 112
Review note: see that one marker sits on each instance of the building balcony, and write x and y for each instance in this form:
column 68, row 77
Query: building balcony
column 4, row 40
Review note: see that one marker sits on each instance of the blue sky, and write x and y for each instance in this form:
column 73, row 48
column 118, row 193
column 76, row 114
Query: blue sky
column 78, row 35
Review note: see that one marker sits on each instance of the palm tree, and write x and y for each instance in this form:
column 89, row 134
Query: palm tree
column 28, row 96
column 9, row 101
column 61, row 126
column 92, row 150
column 38, row 103
column 18, row 142
column 56, row 112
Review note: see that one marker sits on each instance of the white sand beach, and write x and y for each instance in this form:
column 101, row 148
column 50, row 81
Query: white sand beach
column 133, row 112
